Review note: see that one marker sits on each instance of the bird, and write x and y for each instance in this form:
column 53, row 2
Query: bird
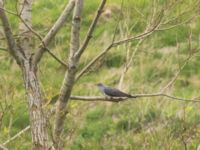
column 113, row 92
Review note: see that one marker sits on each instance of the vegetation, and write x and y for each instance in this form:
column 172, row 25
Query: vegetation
column 144, row 123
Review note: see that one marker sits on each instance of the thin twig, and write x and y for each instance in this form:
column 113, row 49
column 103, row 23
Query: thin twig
column 93, row 61
column 43, row 43
column 176, row 75
column 8, row 11
column 52, row 32
column 31, row 29
column 56, row 58
column 49, row 114
column 140, row 36
column 129, row 59
column 17, row 135
column 14, row 51
column 36, row 34
column 118, row 21
column 178, row 24
column 20, row 13
column 191, row 54
column 180, row 15
column 91, row 29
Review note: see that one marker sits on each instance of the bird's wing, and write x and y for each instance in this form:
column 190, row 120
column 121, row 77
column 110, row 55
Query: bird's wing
column 115, row 92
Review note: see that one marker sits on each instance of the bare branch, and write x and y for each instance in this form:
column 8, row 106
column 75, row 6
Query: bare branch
column 176, row 25
column 91, row 29
column 52, row 32
column 3, row 147
column 140, row 36
column 111, row 99
column 117, row 99
column 50, row 113
column 56, row 58
column 126, row 40
column 184, row 64
column 25, row 29
column 30, row 29
column 43, row 45
column 87, row 67
column 39, row 131
column 176, row 75
column 68, row 82
column 16, row 135
column 8, row 11
column 185, row 12
column 129, row 59
column 9, row 36
column 128, row 63
column 42, row 42
column 117, row 22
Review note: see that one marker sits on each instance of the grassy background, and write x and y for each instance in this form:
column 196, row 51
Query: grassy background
column 146, row 123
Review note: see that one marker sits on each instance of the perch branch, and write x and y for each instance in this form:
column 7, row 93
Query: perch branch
column 117, row 99
column 109, row 99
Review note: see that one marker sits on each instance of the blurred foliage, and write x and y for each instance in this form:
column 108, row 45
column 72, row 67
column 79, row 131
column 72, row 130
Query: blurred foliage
column 146, row 123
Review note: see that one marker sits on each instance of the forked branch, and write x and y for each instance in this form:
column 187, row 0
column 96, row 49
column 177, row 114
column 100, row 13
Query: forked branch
column 53, row 31
column 14, row 51
column 91, row 29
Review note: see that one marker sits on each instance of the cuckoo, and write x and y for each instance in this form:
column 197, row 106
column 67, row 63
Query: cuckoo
column 112, row 92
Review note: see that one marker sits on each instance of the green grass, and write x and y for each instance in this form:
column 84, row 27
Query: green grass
column 153, row 123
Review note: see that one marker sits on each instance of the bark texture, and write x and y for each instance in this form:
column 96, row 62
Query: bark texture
column 22, row 51
column 68, row 82
column 37, row 116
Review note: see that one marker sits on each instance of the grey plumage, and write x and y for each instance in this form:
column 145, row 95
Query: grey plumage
column 112, row 92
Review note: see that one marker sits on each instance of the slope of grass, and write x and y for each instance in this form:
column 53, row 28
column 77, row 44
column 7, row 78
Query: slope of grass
column 148, row 123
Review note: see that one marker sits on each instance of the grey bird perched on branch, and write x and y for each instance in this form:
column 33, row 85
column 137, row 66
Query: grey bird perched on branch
column 112, row 92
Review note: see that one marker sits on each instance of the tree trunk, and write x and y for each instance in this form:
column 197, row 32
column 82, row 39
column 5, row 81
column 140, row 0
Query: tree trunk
column 38, row 120
column 68, row 82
